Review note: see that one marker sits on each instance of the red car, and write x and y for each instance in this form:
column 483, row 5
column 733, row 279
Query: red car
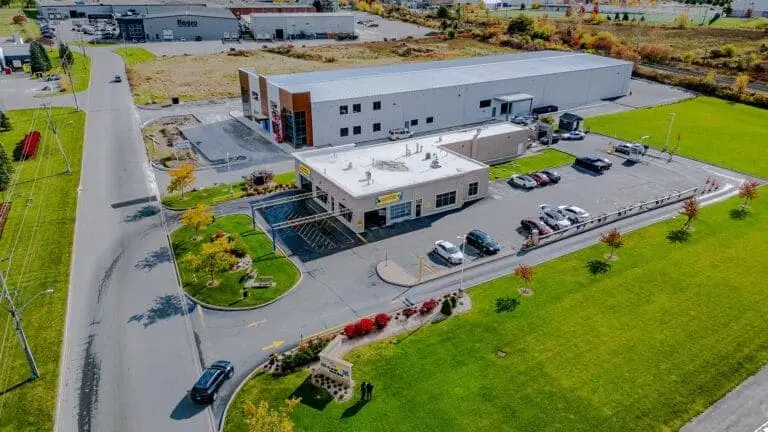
column 540, row 178
column 529, row 225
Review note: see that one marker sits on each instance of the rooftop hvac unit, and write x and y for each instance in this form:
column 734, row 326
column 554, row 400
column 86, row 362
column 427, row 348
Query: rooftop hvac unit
column 435, row 163
column 368, row 177
column 427, row 156
column 349, row 166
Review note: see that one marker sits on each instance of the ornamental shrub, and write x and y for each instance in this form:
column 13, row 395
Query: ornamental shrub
column 454, row 301
column 381, row 320
column 364, row 326
column 428, row 306
column 409, row 312
column 350, row 331
column 446, row 309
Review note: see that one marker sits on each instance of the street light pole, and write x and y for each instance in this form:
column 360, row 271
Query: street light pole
column 229, row 177
column 669, row 131
column 463, row 258
column 15, row 316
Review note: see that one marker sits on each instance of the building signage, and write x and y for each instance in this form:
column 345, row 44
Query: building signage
column 305, row 171
column 388, row 199
column 334, row 368
column 186, row 23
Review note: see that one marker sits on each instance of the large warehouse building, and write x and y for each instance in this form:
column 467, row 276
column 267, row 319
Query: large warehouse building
column 282, row 26
column 193, row 25
column 363, row 104
column 377, row 185
column 63, row 9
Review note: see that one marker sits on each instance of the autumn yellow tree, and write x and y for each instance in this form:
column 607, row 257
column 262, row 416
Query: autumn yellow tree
column 215, row 257
column 377, row 9
column 197, row 217
column 181, row 178
column 263, row 419
column 740, row 83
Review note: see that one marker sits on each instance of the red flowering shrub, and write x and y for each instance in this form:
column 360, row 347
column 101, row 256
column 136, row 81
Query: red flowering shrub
column 428, row 306
column 381, row 320
column 350, row 331
column 408, row 312
column 364, row 326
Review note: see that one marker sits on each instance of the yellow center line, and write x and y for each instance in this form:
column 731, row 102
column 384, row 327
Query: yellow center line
column 273, row 345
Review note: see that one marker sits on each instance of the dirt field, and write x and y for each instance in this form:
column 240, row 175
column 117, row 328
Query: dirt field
column 214, row 76
column 690, row 39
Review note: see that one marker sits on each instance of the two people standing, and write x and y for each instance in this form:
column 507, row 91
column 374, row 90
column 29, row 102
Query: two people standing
column 366, row 390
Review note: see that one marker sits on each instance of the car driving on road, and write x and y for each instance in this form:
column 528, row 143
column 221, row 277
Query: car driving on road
column 523, row 181
column 574, row 214
column 553, row 218
column 449, row 252
column 481, row 241
column 213, row 377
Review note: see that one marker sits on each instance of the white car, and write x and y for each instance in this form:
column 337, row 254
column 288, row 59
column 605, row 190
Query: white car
column 523, row 181
column 573, row 136
column 553, row 218
column 449, row 252
column 400, row 133
column 574, row 214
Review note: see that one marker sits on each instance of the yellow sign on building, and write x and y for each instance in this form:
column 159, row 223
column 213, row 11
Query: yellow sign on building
column 388, row 199
column 304, row 170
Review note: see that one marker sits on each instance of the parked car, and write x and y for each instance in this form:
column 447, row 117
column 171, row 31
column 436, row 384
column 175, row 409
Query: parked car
column 519, row 120
column 118, row 78
column 574, row 214
column 553, row 139
column 449, row 252
column 529, row 225
column 482, row 242
column 371, row 24
column 626, row 148
column 573, row 136
column 213, row 377
column 554, row 176
column 591, row 163
column 606, row 161
column 52, row 77
column 553, row 218
column 399, row 133
column 544, row 109
column 523, row 181
column 539, row 178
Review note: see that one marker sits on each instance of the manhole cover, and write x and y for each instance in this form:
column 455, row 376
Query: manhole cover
column 501, row 354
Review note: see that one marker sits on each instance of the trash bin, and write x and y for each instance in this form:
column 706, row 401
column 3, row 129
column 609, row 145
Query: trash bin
column 175, row 100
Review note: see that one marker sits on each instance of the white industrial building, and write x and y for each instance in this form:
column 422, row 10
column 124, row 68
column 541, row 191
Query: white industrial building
column 749, row 8
column 373, row 186
column 357, row 105
column 283, row 26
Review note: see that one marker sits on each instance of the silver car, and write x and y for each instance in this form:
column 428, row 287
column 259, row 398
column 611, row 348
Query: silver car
column 574, row 214
column 553, row 218
column 523, row 181
column 449, row 252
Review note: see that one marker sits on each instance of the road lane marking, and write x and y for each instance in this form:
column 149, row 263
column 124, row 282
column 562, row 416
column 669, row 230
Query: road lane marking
column 273, row 345
column 256, row 323
column 202, row 317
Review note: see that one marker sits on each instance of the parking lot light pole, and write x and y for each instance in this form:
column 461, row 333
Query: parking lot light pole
column 669, row 131
column 229, row 175
column 463, row 258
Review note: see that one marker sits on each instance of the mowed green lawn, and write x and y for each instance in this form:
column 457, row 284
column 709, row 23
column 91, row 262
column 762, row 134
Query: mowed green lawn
column 42, row 234
column 132, row 56
column 230, row 290
column 711, row 130
column 667, row 332
column 545, row 159
column 220, row 193
column 27, row 30
column 81, row 70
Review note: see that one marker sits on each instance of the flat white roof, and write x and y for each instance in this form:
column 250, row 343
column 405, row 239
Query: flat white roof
column 391, row 169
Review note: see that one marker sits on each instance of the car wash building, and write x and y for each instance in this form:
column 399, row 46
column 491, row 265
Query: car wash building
column 362, row 104
column 192, row 25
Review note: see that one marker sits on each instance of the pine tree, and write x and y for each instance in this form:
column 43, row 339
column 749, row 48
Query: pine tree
column 65, row 55
column 5, row 122
column 46, row 59
column 6, row 170
column 37, row 62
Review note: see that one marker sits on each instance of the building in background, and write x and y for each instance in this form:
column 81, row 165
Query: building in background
column 363, row 104
column 287, row 26
column 194, row 25
column 65, row 9
column 749, row 8
column 256, row 8
column 14, row 56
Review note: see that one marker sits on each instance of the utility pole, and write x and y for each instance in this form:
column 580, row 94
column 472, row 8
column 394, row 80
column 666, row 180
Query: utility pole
column 68, row 71
column 52, row 125
column 229, row 175
column 7, row 302
column 669, row 131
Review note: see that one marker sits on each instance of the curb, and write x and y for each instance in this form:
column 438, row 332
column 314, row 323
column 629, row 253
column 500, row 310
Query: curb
column 254, row 197
column 239, row 387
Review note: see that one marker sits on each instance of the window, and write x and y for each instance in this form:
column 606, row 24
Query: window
column 356, row 130
column 255, row 95
column 398, row 212
column 377, row 127
column 356, row 108
column 473, row 189
column 430, row 120
column 343, row 109
column 414, row 122
column 483, row 103
column 445, row 199
column 344, row 132
column 377, row 105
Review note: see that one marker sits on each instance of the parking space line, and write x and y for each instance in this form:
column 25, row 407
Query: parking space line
column 362, row 239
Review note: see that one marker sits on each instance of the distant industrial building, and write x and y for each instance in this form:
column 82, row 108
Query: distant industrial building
column 749, row 8
column 357, row 105
column 257, row 8
column 63, row 9
column 373, row 186
column 14, row 56
column 282, row 26
column 194, row 25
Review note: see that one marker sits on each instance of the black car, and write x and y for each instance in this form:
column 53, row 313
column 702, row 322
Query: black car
column 482, row 242
column 207, row 386
column 554, row 139
column 554, row 176
column 544, row 109
column 591, row 163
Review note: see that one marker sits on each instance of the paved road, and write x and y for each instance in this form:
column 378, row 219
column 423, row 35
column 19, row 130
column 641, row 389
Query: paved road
column 129, row 353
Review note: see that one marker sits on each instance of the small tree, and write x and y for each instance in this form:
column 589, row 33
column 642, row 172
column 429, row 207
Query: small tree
column 263, row 419
column 5, row 122
column 39, row 61
column 215, row 257
column 443, row 12
column 181, row 178
column 740, row 83
column 625, row 17
column 447, row 308
column 691, row 209
column 748, row 191
column 614, row 240
column 65, row 55
column 6, row 170
column 197, row 217
column 547, row 119
column 524, row 272
column 451, row 34
column 520, row 25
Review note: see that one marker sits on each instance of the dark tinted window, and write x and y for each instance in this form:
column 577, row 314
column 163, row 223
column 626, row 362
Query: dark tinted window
column 485, row 103
column 430, row 119
column 356, row 108
column 343, row 109
column 377, row 105
column 414, row 122
column 207, row 378
column 377, row 127
column 344, row 132
column 356, row 130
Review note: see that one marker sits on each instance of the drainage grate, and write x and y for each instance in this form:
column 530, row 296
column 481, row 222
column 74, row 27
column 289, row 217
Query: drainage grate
column 501, row 354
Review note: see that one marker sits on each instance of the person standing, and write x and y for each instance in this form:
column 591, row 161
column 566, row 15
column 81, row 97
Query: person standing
column 370, row 390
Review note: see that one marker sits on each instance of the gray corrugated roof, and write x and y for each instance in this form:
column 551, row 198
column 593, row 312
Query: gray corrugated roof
column 372, row 81
column 15, row 50
column 207, row 12
column 302, row 14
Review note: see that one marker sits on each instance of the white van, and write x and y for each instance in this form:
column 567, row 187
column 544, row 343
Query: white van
column 399, row 133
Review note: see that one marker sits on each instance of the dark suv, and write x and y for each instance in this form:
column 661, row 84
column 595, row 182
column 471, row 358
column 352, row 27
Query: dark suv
column 591, row 163
column 207, row 386
column 482, row 242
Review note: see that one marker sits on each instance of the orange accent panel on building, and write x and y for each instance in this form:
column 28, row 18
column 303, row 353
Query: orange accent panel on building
column 302, row 102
